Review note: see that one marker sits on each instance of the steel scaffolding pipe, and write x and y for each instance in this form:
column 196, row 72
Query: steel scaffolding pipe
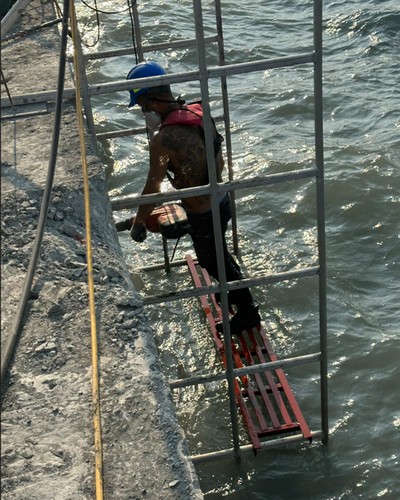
column 189, row 76
column 256, row 181
column 133, row 131
column 189, row 42
column 246, row 370
column 267, row 445
column 232, row 285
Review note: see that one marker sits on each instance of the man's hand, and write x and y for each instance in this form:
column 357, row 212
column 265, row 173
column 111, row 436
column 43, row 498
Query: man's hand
column 124, row 225
column 138, row 232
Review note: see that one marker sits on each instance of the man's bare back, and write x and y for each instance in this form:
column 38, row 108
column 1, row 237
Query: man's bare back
column 182, row 153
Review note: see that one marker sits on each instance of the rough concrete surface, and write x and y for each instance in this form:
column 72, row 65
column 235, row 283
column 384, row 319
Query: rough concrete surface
column 47, row 449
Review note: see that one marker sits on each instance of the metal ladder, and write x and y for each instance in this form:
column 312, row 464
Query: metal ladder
column 203, row 75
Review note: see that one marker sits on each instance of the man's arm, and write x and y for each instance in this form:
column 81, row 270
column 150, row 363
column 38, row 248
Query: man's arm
column 158, row 167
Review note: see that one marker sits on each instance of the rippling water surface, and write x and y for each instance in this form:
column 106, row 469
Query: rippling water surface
column 272, row 131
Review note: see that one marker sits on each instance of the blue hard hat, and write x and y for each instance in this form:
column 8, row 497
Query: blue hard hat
column 142, row 70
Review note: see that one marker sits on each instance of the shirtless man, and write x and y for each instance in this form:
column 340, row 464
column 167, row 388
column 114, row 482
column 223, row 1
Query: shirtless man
column 178, row 152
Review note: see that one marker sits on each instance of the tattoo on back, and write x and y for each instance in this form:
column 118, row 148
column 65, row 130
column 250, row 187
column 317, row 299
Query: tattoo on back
column 187, row 155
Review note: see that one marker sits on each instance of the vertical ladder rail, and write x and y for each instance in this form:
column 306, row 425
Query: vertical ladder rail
column 208, row 133
column 137, row 34
column 227, row 121
column 319, row 159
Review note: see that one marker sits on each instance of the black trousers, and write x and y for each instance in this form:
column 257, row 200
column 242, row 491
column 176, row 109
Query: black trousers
column 202, row 234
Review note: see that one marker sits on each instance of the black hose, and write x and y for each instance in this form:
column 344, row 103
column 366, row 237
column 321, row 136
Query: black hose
column 11, row 341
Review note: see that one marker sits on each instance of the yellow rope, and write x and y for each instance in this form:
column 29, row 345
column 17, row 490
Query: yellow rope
column 92, row 308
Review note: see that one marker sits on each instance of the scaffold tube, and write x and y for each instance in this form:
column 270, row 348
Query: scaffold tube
column 274, row 443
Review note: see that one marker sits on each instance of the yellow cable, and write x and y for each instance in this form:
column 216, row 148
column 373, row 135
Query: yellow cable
column 92, row 308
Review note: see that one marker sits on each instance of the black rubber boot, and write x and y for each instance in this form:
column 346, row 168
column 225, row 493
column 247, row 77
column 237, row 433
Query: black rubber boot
column 244, row 319
column 230, row 301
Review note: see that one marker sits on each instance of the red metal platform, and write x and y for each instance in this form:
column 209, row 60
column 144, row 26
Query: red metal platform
column 265, row 400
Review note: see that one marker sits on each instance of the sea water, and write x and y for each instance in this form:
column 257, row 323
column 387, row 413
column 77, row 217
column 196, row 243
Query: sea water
column 272, row 131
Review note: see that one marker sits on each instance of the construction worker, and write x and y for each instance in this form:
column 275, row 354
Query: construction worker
column 178, row 152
